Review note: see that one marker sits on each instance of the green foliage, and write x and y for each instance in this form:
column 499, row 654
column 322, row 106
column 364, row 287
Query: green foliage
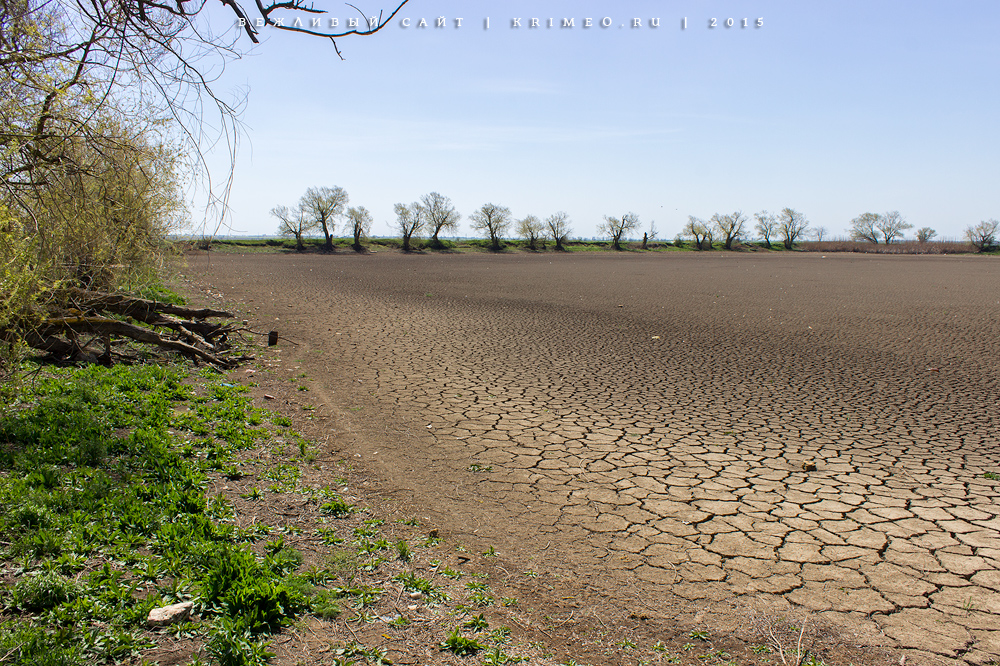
column 476, row 623
column 23, row 644
column 500, row 635
column 497, row 657
column 237, row 585
column 413, row 583
column 480, row 593
column 42, row 592
column 372, row 655
column 97, row 465
column 161, row 294
column 461, row 645
column 336, row 507
column 325, row 604
column 231, row 643
column 281, row 559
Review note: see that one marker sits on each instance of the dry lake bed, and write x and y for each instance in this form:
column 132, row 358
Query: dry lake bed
column 685, row 432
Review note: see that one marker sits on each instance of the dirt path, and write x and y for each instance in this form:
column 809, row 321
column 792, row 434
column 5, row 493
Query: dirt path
column 677, row 431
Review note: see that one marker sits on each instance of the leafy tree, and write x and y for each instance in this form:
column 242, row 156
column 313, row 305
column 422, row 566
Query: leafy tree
column 892, row 225
column 699, row 231
column 530, row 228
column 730, row 227
column 409, row 221
column 983, row 236
column 617, row 228
column 293, row 222
column 440, row 215
column 925, row 234
column 494, row 221
column 767, row 226
column 792, row 224
column 324, row 206
column 558, row 228
column 359, row 225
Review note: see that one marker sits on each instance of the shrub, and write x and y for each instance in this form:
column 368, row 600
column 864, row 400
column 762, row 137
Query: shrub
column 238, row 586
column 38, row 593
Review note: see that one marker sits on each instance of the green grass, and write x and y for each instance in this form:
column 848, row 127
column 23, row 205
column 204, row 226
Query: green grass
column 105, row 515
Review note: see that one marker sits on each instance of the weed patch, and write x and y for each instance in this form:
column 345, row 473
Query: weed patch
column 100, row 472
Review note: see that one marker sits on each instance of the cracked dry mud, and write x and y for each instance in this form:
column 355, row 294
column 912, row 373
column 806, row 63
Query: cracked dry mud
column 691, row 427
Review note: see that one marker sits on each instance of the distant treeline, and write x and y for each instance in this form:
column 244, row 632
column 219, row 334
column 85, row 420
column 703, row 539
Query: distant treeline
column 324, row 209
column 376, row 244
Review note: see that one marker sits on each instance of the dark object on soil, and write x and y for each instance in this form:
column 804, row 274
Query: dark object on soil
column 809, row 466
column 73, row 312
column 272, row 338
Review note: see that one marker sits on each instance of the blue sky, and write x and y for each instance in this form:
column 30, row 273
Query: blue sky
column 831, row 108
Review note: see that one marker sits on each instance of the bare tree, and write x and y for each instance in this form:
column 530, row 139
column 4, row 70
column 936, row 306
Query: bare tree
column 730, row 227
column 409, row 221
column 792, row 225
column 558, row 224
column 865, row 227
column 440, row 215
column 649, row 235
column 324, row 206
column 892, row 225
column 767, row 226
column 699, row 231
column 494, row 221
column 983, row 236
column 103, row 107
column 120, row 57
column 530, row 228
column 617, row 228
column 293, row 222
column 925, row 234
column 820, row 233
column 359, row 225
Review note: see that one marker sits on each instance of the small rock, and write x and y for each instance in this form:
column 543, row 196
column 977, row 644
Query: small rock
column 416, row 595
column 413, row 607
column 434, row 534
column 809, row 466
column 159, row 617
column 267, row 396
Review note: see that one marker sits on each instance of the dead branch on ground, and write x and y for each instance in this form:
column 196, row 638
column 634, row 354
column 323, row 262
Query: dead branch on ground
column 74, row 312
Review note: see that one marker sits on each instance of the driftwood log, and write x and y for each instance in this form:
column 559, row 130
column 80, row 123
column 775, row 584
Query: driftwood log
column 75, row 313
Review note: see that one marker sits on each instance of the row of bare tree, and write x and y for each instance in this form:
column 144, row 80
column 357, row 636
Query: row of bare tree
column 789, row 225
column 321, row 208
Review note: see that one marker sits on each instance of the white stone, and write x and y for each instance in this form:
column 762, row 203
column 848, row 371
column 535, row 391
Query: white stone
column 159, row 617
